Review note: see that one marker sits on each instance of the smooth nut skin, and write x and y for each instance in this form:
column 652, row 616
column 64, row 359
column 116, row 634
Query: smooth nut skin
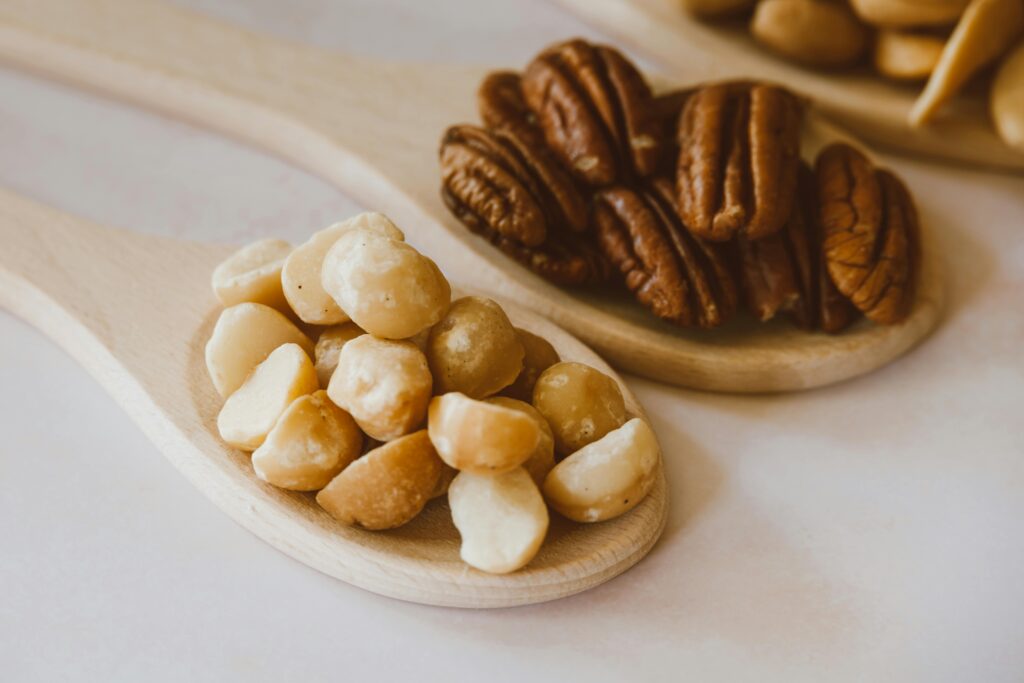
column 387, row 487
column 329, row 346
column 539, row 356
column 253, row 274
column 909, row 12
column 479, row 437
column 813, row 32
column 1007, row 98
column 606, row 478
column 542, row 459
column 243, row 337
column 870, row 233
column 474, row 349
column 311, row 443
column 906, row 56
column 502, row 519
column 301, row 275
column 385, row 286
column 385, row 385
column 251, row 412
column 581, row 404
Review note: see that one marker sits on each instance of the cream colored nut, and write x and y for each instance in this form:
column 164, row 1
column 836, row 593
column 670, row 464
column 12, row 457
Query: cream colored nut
column 607, row 478
column 542, row 459
column 906, row 56
column 243, row 337
column 387, row 487
column 716, row 8
column 813, row 32
column 301, row 277
column 1007, row 99
column 580, row 403
column 502, row 519
column 251, row 412
column 909, row 13
column 986, row 29
column 474, row 349
column 388, row 288
column 328, row 348
column 253, row 274
column 311, row 443
column 479, row 437
column 540, row 355
column 385, row 385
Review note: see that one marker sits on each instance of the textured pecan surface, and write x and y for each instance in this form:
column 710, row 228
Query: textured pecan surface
column 738, row 159
column 870, row 233
column 565, row 259
column 596, row 112
column 502, row 108
column 680, row 278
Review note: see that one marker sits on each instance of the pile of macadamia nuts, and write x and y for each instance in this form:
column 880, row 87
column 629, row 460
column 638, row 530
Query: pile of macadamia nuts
column 407, row 396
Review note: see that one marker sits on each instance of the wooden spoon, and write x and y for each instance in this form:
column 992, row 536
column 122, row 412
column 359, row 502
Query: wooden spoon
column 136, row 311
column 373, row 129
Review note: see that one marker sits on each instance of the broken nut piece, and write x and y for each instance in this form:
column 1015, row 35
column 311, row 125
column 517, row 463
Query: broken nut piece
column 253, row 274
column 481, row 437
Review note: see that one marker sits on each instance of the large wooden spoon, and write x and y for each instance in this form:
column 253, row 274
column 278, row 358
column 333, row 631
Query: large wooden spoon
column 373, row 129
column 136, row 311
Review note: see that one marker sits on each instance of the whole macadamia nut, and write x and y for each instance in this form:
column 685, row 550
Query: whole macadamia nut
column 580, row 403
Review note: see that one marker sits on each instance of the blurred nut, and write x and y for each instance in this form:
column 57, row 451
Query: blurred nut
column 1007, row 101
column 717, row 8
column 253, row 273
column 813, row 32
column 909, row 12
column 906, row 56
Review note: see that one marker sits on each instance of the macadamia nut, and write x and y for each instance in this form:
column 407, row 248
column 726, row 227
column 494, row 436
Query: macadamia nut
column 479, row 437
column 385, row 385
column 607, row 478
column 474, row 349
column 328, row 348
column 502, row 519
column 243, row 337
column 301, row 276
column 540, row 355
column 388, row 288
column 252, row 411
column 311, row 443
column 253, row 274
column 580, row 403
column 387, row 487
column 542, row 459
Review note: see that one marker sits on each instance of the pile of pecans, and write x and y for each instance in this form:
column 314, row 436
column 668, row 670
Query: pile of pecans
column 697, row 201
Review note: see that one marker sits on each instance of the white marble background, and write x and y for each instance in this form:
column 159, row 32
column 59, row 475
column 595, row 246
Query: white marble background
column 871, row 531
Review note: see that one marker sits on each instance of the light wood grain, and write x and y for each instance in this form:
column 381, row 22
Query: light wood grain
column 136, row 311
column 373, row 129
column 861, row 101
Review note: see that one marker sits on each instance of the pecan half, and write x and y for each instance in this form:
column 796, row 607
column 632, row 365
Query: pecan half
column 870, row 233
column 595, row 110
column 738, row 159
column 679, row 277
column 564, row 259
column 502, row 107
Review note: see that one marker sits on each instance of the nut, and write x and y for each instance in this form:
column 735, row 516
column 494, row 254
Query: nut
column 906, row 56
column 387, row 287
column 503, row 108
column 301, row 276
column 384, row 384
column 474, row 349
column 1007, row 99
column 243, row 337
column 311, row 443
column 502, row 519
column 540, row 355
column 909, row 12
column 581, row 404
column 328, row 348
column 595, row 110
column 870, row 233
column 253, row 274
column 813, row 32
column 542, row 459
column 680, row 278
column 252, row 411
column 606, row 478
column 738, row 160
column 485, row 438
column 566, row 260
column 387, row 487
column 985, row 31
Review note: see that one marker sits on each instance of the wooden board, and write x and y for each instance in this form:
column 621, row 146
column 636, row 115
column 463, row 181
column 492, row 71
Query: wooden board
column 136, row 312
column 373, row 129
column 862, row 101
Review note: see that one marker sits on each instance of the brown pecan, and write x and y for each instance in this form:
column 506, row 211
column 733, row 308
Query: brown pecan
column 502, row 107
column 870, row 233
column 565, row 259
column 497, row 185
column 738, row 159
column 595, row 110
column 677, row 276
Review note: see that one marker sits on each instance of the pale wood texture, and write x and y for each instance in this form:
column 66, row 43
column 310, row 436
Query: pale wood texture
column 862, row 101
column 373, row 129
column 136, row 311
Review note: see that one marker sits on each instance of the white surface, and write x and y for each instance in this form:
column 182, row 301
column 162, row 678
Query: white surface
column 871, row 531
